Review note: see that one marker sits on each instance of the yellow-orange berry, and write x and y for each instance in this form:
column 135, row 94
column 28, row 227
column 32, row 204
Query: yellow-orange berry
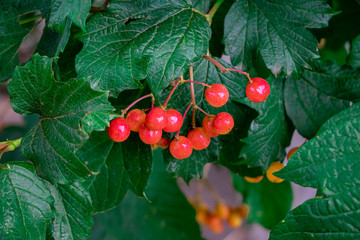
column 214, row 223
column 291, row 152
column 274, row 167
column 235, row 220
column 254, row 179
column 222, row 211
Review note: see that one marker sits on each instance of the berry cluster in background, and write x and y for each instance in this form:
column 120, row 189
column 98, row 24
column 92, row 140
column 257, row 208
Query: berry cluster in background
column 151, row 125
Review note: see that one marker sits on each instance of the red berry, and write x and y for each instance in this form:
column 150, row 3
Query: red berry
column 136, row 118
column 207, row 126
column 175, row 121
column 119, row 129
column 156, row 119
column 181, row 148
column 258, row 90
column 217, row 95
column 223, row 123
column 149, row 136
column 198, row 138
column 163, row 143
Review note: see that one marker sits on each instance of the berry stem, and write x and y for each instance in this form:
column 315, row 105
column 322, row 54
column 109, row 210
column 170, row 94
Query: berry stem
column 202, row 84
column 186, row 111
column 201, row 110
column 124, row 111
column 192, row 91
column 9, row 145
column 27, row 20
column 224, row 69
column 172, row 91
column 213, row 10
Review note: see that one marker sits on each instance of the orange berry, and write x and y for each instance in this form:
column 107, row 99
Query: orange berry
column 222, row 211
column 235, row 220
column 201, row 216
column 274, row 167
column 254, row 180
column 243, row 210
column 214, row 223
column 291, row 152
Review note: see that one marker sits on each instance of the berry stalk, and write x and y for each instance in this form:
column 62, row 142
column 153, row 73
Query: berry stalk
column 192, row 91
column 172, row 91
column 213, row 10
column 186, row 111
column 202, row 84
column 124, row 111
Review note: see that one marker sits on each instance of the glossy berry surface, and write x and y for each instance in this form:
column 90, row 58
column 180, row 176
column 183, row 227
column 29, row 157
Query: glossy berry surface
column 135, row 118
column 258, row 90
column 198, row 138
column 274, row 167
column 181, row 148
column 223, row 123
column 254, row 179
column 149, row 136
column 217, row 95
column 175, row 121
column 163, row 143
column 207, row 126
column 156, row 119
column 119, row 129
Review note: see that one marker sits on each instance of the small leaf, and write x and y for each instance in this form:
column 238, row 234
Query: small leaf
column 268, row 202
column 277, row 29
column 69, row 112
column 330, row 163
column 74, row 10
column 354, row 56
column 25, row 203
column 270, row 132
column 126, row 48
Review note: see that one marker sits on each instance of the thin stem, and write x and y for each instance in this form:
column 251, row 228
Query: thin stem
column 186, row 111
column 245, row 73
column 202, row 84
column 27, row 20
column 192, row 91
column 213, row 10
column 123, row 112
column 9, row 145
column 197, row 107
column 172, row 91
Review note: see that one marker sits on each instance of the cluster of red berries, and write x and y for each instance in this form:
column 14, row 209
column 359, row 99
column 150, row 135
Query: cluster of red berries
column 215, row 219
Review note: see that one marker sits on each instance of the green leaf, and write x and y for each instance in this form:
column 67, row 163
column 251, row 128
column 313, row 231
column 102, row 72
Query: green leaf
column 126, row 48
column 319, row 94
column 330, row 163
column 25, row 203
column 75, row 10
column 201, row 5
column 270, row 132
column 12, row 32
column 69, row 112
column 168, row 213
column 73, row 212
column 119, row 167
column 354, row 56
column 277, row 29
column 268, row 202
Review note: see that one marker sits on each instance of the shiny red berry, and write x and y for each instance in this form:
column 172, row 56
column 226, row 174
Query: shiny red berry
column 156, row 119
column 217, row 95
column 223, row 123
column 198, row 138
column 119, row 129
column 149, row 136
column 163, row 143
column 258, row 90
column 181, row 148
column 136, row 118
column 175, row 121
column 207, row 126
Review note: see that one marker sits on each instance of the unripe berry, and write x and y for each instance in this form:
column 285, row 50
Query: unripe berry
column 258, row 90
column 198, row 138
column 222, row 211
column 217, row 95
column 207, row 126
column 149, row 136
column 223, row 123
column 235, row 220
column 214, row 223
column 175, row 121
column 254, row 180
column 181, row 148
column 274, row 167
column 163, row 143
column 119, row 129
column 156, row 119
column 136, row 118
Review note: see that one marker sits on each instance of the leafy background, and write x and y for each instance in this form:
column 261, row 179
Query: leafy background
column 89, row 64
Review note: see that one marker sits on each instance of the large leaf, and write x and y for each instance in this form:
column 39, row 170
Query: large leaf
column 354, row 56
column 13, row 32
column 320, row 94
column 277, row 29
column 270, row 132
column 329, row 162
column 168, row 214
column 120, row 166
column 25, row 203
column 153, row 39
column 268, row 202
column 69, row 112
column 73, row 208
